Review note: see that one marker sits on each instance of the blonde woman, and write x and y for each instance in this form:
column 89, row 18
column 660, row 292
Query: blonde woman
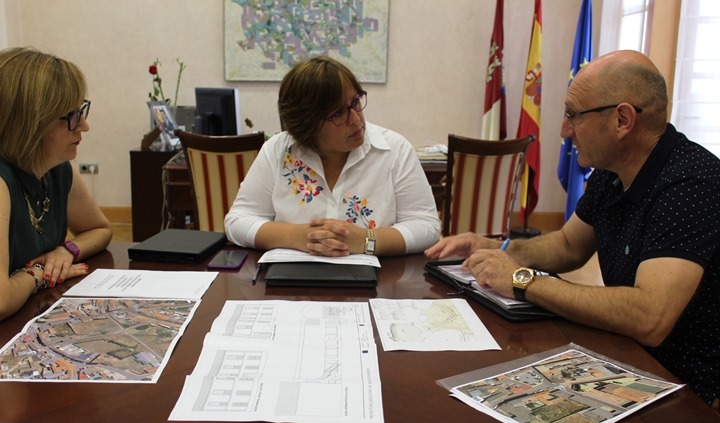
column 43, row 111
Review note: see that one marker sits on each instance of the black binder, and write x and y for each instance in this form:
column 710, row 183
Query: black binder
column 518, row 314
column 178, row 246
column 313, row 274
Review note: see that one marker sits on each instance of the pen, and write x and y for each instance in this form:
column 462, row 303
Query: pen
column 257, row 273
column 505, row 244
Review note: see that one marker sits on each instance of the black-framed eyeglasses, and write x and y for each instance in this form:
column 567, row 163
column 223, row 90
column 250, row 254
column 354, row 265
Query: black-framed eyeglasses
column 73, row 118
column 342, row 116
column 570, row 116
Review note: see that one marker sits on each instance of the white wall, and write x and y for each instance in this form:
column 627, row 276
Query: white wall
column 437, row 59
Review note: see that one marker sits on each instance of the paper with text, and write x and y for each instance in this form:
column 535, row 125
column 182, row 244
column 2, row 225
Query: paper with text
column 143, row 284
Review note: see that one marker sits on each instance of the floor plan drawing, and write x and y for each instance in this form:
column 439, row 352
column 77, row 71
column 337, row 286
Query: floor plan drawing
column 286, row 361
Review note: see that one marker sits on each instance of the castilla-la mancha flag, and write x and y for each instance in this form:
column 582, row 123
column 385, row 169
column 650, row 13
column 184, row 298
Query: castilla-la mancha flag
column 530, row 117
column 494, row 118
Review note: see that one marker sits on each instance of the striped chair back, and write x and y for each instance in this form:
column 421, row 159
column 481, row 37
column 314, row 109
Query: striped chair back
column 480, row 188
column 217, row 166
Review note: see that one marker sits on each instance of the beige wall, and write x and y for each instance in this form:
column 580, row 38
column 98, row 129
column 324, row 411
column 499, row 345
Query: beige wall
column 437, row 58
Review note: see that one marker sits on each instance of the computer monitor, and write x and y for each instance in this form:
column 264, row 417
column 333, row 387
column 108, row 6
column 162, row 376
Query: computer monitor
column 217, row 111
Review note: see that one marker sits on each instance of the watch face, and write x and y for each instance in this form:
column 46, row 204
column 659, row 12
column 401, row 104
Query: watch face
column 523, row 276
column 371, row 246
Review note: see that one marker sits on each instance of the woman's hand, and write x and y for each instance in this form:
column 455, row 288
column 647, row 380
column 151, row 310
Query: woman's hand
column 59, row 266
column 335, row 238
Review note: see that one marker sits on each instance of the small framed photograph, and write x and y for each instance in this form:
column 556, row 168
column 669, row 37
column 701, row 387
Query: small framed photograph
column 164, row 120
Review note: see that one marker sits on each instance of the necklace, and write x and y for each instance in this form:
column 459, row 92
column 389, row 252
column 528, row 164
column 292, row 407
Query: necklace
column 36, row 220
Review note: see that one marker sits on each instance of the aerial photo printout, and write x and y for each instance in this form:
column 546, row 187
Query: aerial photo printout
column 97, row 340
column 571, row 386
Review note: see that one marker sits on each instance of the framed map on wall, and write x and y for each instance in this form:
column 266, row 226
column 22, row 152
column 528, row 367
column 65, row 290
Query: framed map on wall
column 265, row 38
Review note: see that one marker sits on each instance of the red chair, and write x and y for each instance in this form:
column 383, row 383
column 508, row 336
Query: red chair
column 482, row 179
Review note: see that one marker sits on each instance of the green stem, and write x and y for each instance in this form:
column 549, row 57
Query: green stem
column 177, row 84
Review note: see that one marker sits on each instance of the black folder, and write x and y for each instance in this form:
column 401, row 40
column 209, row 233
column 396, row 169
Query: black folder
column 313, row 274
column 517, row 314
column 178, row 246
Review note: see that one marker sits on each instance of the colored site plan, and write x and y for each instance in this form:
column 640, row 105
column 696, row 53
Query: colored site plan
column 97, row 340
column 571, row 386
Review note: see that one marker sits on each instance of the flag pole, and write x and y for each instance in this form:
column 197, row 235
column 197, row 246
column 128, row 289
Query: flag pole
column 524, row 231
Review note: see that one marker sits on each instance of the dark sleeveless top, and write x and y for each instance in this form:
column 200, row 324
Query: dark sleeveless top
column 24, row 242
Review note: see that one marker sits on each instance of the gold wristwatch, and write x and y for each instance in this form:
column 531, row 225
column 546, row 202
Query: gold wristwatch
column 370, row 242
column 522, row 278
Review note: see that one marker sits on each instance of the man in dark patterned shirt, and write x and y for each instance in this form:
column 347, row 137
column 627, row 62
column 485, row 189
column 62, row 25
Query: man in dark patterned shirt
column 651, row 211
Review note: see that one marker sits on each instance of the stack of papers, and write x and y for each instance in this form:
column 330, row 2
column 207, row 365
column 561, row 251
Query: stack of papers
column 432, row 153
column 466, row 278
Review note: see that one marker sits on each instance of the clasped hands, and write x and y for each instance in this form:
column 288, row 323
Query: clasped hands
column 335, row 238
column 491, row 267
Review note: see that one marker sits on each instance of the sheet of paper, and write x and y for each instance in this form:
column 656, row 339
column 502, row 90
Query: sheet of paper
column 570, row 386
column 457, row 271
column 286, row 361
column 430, row 325
column 281, row 255
column 143, row 284
column 122, row 340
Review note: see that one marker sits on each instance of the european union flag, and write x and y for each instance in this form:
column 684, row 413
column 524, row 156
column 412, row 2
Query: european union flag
column 572, row 176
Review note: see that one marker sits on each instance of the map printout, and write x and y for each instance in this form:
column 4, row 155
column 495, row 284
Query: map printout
column 570, row 386
column 97, row 340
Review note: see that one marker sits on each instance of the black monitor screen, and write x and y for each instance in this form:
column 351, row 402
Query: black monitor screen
column 217, row 111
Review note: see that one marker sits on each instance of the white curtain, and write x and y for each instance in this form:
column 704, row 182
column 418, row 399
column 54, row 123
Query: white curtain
column 696, row 98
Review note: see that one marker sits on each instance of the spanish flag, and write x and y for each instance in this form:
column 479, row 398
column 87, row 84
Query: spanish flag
column 530, row 117
column 494, row 125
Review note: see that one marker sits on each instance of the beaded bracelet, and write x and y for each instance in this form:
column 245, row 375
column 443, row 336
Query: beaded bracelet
column 29, row 270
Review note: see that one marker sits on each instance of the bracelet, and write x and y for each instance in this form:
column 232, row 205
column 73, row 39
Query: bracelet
column 29, row 270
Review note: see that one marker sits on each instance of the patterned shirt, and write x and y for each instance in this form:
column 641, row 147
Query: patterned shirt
column 382, row 184
column 671, row 209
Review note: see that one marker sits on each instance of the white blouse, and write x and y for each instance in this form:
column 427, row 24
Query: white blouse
column 382, row 184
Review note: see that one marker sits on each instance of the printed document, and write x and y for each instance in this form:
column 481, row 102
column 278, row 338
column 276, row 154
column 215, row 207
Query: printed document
column 286, row 361
column 143, row 284
column 285, row 255
column 430, row 325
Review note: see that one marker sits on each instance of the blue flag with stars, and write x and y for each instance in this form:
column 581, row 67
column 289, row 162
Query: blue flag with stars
column 572, row 176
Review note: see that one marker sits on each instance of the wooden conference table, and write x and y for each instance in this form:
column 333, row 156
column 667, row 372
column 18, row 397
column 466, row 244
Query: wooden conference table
column 409, row 390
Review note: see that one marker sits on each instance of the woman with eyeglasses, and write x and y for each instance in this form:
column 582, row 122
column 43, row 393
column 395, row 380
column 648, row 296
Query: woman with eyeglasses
column 333, row 184
column 43, row 115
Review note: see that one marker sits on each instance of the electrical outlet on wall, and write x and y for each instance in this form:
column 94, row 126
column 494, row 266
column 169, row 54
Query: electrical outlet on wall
column 89, row 168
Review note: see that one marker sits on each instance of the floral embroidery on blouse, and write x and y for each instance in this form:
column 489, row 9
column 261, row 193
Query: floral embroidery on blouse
column 358, row 209
column 301, row 178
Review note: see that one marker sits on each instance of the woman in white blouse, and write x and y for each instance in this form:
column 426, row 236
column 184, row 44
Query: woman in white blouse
column 333, row 184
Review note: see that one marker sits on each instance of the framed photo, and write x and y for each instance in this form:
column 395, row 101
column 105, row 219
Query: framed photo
column 164, row 120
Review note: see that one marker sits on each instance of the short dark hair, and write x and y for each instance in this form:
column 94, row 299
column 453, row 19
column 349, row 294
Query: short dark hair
column 309, row 93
